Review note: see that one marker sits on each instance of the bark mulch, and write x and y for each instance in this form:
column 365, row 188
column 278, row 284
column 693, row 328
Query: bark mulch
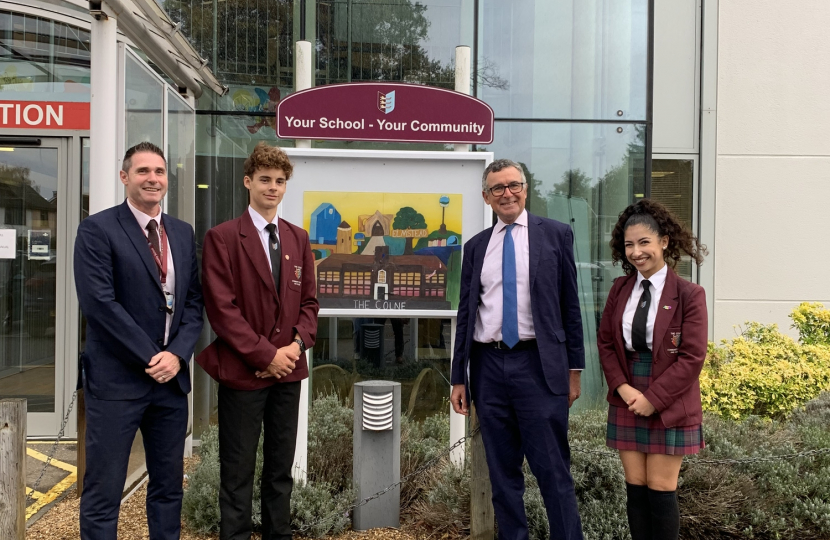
column 61, row 523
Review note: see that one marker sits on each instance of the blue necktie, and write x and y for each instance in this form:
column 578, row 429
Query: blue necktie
column 510, row 316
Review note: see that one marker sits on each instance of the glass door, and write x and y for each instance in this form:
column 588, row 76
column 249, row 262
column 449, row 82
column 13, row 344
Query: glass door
column 33, row 291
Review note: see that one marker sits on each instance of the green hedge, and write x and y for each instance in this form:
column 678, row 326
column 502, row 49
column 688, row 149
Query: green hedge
column 765, row 373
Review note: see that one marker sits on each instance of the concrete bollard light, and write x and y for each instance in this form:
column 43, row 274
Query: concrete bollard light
column 377, row 453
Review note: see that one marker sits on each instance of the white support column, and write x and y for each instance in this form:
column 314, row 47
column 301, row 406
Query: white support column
column 303, row 69
column 103, row 153
column 458, row 423
column 300, row 470
column 462, row 80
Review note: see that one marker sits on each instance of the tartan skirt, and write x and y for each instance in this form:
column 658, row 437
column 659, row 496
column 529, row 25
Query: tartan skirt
column 647, row 434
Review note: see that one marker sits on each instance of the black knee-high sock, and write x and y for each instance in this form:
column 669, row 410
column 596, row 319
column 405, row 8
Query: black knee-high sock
column 665, row 515
column 639, row 512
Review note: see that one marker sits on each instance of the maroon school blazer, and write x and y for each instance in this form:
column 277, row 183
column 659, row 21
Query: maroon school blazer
column 678, row 350
column 250, row 319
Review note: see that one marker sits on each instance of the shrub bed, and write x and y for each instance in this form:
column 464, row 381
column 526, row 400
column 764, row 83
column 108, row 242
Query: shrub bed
column 781, row 499
column 764, row 373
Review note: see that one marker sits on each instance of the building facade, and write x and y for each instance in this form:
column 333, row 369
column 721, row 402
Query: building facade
column 705, row 105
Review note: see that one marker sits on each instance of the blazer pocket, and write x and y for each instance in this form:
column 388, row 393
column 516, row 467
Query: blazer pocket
column 560, row 335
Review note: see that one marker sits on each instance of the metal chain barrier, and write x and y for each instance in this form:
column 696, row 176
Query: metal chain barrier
column 30, row 497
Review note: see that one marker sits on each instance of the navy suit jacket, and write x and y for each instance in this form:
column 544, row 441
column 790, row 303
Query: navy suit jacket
column 554, row 302
column 121, row 296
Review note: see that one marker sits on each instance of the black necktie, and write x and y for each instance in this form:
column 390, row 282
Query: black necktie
column 153, row 236
column 638, row 327
column 274, row 253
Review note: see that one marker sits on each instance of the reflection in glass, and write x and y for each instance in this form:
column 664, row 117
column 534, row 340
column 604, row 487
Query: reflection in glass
column 28, row 274
column 672, row 184
column 181, row 156
column 144, row 97
column 40, row 57
column 397, row 40
column 564, row 58
column 583, row 175
column 413, row 352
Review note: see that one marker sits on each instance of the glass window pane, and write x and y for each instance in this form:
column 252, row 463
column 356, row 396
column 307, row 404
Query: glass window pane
column 583, row 175
column 181, row 156
column 672, row 183
column 40, row 58
column 28, row 282
column 391, row 40
column 413, row 352
column 144, row 98
column 564, row 58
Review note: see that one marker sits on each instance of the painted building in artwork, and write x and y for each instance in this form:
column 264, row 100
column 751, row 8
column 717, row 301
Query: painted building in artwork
column 344, row 238
column 418, row 281
column 324, row 223
column 376, row 224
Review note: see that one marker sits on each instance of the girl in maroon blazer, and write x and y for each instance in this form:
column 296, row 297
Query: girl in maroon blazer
column 652, row 344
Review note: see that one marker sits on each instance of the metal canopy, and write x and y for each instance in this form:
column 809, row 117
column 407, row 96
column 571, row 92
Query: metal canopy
column 149, row 27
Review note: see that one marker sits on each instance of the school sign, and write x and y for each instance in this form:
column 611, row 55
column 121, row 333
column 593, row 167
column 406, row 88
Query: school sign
column 386, row 112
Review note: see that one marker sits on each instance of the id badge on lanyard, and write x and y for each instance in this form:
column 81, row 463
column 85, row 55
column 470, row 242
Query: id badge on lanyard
column 161, row 264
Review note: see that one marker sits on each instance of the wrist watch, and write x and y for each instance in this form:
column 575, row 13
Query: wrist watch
column 299, row 341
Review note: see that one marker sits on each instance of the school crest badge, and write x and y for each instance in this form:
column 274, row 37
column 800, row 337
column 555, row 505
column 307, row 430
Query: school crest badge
column 675, row 339
column 298, row 271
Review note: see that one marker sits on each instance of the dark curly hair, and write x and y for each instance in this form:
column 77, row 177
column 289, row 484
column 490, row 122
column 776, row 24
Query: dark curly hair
column 662, row 221
column 266, row 156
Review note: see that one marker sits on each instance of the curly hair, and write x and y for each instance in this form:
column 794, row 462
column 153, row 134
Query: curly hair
column 265, row 156
column 663, row 222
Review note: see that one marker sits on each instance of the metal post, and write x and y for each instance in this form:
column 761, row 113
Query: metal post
column 377, row 453
column 303, row 68
column 462, row 80
column 13, row 469
column 103, row 150
column 458, row 423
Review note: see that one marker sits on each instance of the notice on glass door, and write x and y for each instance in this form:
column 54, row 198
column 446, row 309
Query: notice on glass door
column 8, row 241
column 39, row 242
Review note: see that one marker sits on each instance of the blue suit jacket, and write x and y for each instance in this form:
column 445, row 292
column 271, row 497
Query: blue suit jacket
column 121, row 296
column 554, row 302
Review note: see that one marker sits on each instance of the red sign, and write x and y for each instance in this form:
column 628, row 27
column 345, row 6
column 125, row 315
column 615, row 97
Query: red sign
column 385, row 112
column 44, row 115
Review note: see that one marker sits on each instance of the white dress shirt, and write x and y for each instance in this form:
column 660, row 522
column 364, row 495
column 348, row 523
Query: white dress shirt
column 658, row 281
column 260, row 223
column 490, row 309
column 170, row 283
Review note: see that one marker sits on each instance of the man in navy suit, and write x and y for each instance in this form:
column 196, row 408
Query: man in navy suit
column 138, row 286
column 519, row 352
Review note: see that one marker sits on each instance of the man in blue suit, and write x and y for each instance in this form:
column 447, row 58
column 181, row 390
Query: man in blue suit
column 519, row 352
column 138, row 286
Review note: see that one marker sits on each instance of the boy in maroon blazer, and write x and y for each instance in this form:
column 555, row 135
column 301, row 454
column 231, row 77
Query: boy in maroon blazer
column 258, row 275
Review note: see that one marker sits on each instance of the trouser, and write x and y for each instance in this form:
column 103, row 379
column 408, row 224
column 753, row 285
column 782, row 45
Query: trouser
column 242, row 415
column 520, row 417
column 161, row 415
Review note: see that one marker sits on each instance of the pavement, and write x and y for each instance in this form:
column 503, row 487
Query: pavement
column 46, row 484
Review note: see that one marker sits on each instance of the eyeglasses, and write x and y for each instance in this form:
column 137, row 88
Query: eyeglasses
column 514, row 187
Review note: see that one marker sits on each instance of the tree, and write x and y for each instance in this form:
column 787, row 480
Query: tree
column 408, row 218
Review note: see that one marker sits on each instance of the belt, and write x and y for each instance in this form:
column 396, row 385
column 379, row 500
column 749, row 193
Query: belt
column 529, row 345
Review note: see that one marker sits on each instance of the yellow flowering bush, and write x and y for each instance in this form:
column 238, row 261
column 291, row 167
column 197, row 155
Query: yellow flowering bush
column 765, row 373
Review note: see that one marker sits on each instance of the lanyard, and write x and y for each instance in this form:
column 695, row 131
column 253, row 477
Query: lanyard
column 160, row 258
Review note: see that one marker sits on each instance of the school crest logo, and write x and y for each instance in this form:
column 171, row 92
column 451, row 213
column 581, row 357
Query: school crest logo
column 298, row 271
column 386, row 102
column 675, row 339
